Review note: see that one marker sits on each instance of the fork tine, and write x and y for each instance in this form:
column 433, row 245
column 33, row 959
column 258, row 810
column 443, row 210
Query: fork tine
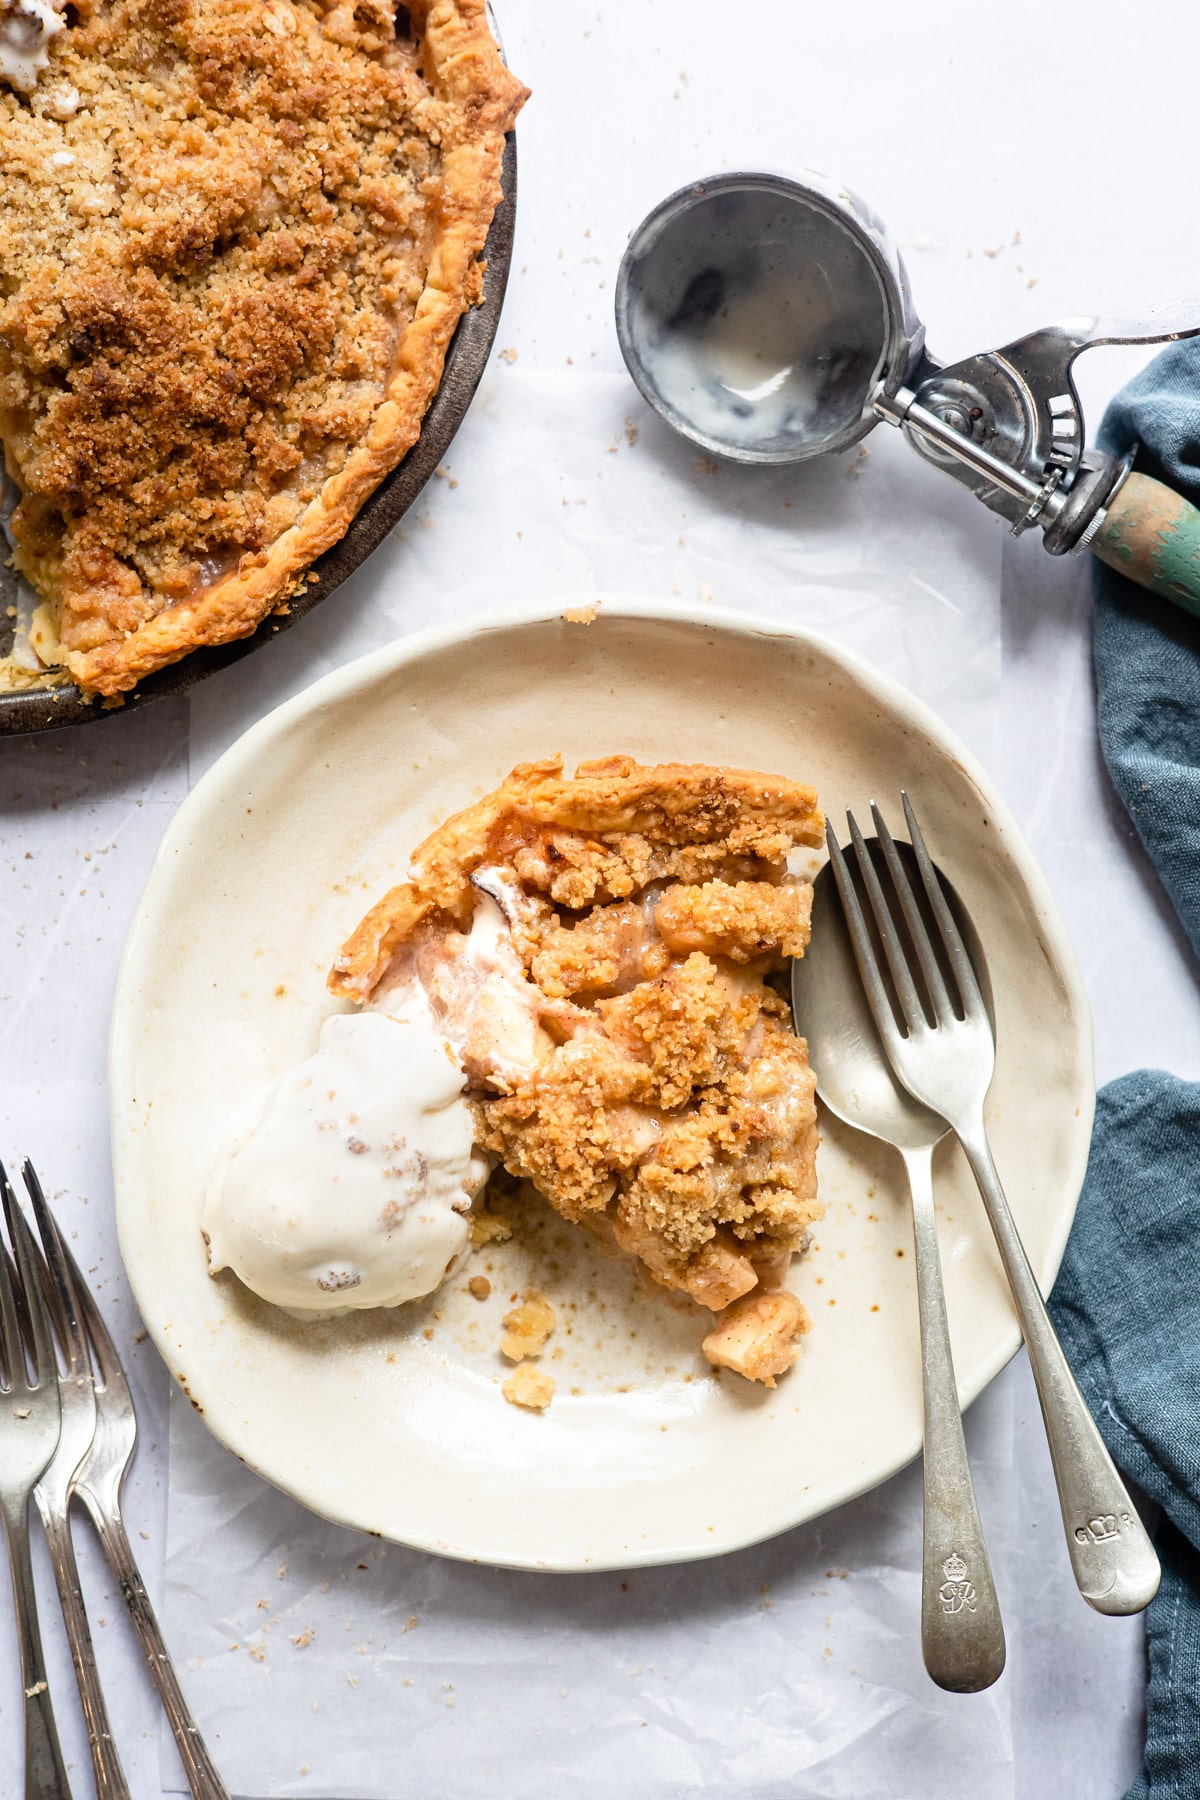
column 101, row 1352
column 19, row 1298
column 12, row 1349
column 893, row 949
column 860, row 938
column 27, row 1260
column 943, row 1007
column 956, row 950
column 62, row 1295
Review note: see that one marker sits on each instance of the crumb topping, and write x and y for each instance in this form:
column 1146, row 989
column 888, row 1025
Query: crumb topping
column 742, row 921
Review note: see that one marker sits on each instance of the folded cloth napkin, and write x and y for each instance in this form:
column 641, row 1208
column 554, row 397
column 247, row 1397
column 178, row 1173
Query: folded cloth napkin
column 1127, row 1299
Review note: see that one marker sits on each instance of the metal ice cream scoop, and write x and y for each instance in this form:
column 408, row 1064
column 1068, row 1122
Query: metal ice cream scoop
column 769, row 319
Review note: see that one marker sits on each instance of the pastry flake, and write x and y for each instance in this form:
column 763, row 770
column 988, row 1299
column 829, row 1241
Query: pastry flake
column 600, row 950
column 236, row 237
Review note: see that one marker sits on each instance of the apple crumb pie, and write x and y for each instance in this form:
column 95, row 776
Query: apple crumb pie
column 236, row 237
column 605, row 955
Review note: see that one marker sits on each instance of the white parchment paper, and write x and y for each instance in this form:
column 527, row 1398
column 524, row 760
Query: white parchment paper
column 326, row 1663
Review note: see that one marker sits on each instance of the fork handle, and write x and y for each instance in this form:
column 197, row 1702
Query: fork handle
column 198, row 1765
column 962, row 1635
column 45, row 1773
column 1115, row 1567
column 106, row 1762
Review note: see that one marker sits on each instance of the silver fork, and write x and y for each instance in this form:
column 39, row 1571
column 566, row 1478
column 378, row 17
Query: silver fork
column 30, row 1419
column 944, row 1054
column 97, row 1481
column 54, row 1297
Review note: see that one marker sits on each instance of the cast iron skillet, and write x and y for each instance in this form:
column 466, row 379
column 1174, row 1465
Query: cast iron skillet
column 48, row 709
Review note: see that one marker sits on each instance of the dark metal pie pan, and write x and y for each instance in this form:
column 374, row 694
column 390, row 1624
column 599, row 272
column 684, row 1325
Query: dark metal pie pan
column 48, row 709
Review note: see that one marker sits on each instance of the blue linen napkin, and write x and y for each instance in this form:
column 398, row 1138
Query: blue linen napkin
column 1127, row 1299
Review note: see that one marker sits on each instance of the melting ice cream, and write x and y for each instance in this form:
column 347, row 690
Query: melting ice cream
column 348, row 1184
column 26, row 28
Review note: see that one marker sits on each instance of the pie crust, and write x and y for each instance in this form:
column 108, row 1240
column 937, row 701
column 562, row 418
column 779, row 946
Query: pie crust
column 236, row 237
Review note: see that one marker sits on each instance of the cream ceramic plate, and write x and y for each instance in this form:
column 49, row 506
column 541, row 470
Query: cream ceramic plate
column 394, row 1422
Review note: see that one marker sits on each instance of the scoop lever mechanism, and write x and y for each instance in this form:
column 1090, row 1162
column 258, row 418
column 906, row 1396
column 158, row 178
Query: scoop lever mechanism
column 1008, row 424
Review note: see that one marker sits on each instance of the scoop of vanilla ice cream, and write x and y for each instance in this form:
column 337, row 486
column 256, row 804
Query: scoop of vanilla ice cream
column 346, row 1185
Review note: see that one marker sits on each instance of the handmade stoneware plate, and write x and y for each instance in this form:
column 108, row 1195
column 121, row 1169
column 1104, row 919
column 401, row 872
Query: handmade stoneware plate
column 394, row 1421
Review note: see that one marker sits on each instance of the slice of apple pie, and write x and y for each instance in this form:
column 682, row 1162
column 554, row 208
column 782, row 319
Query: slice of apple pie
column 236, row 237
column 604, row 955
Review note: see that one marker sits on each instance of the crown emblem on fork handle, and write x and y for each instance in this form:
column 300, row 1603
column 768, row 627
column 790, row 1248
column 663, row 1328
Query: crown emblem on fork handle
column 956, row 1593
column 1100, row 1531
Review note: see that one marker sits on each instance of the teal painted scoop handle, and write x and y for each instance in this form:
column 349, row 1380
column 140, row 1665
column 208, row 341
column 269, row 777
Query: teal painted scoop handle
column 1152, row 535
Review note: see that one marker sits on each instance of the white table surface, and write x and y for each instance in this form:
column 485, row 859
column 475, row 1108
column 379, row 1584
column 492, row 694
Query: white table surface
column 963, row 128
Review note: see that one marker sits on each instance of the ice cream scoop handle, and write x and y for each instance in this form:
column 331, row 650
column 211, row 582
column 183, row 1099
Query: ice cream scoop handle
column 1152, row 535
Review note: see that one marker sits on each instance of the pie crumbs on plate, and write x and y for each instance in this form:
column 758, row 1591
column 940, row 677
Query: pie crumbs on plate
column 529, row 1387
column 236, row 237
column 527, row 1328
column 606, row 956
